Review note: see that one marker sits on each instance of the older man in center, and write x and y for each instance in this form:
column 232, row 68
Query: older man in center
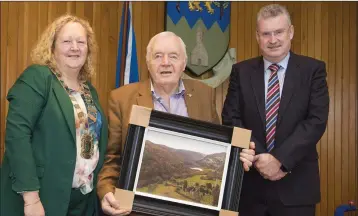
column 165, row 91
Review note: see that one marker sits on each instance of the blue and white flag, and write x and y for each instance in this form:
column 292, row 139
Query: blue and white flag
column 127, row 55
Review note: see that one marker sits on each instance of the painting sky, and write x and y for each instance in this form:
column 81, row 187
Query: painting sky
column 181, row 142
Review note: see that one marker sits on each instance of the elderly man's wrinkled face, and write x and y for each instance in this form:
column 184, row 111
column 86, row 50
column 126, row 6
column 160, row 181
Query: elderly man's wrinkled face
column 274, row 37
column 71, row 46
column 166, row 61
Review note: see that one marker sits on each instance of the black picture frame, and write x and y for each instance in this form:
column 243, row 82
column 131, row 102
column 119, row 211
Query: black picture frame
column 143, row 205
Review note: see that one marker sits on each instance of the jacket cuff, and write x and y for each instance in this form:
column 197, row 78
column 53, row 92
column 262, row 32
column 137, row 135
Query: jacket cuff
column 103, row 190
column 285, row 165
column 19, row 186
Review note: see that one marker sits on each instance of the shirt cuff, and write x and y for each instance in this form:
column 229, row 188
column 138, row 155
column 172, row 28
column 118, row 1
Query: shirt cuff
column 22, row 192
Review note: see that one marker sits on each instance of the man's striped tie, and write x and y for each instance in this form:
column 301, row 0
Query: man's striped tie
column 272, row 105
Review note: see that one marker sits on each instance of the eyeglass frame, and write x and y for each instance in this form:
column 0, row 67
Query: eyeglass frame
column 276, row 33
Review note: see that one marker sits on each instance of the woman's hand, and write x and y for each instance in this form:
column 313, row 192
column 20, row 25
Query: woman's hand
column 32, row 204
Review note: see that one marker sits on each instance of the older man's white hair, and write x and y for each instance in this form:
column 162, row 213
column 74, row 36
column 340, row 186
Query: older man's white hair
column 165, row 33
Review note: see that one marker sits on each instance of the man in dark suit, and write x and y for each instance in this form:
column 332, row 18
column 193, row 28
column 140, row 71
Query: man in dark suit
column 283, row 98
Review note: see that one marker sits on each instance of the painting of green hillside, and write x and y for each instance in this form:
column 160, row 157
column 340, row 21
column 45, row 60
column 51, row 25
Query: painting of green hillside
column 181, row 174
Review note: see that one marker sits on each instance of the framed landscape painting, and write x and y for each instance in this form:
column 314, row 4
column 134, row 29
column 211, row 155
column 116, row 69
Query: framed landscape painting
column 182, row 168
column 177, row 166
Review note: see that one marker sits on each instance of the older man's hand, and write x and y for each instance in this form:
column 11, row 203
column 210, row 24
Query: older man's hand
column 247, row 156
column 268, row 166
column 111, row 206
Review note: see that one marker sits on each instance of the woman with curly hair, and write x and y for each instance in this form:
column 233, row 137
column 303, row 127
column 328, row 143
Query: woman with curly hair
column 56, row 130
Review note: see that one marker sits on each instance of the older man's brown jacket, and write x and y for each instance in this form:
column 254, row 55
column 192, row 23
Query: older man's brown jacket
column 200, row 102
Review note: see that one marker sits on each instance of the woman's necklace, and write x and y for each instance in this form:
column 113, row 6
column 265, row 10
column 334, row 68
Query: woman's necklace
column 87, row 138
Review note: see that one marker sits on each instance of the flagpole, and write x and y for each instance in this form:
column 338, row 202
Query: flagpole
column 125, row 40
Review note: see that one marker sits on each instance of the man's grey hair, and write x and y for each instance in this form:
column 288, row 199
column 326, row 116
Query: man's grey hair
column 165, row 33
column 273, row 10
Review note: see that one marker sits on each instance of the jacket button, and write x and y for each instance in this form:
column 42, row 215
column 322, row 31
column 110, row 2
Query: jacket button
column 71, row 161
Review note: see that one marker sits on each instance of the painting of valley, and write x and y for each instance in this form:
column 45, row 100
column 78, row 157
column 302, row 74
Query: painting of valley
column 191, row 174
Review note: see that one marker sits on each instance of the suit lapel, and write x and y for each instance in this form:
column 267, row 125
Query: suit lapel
column 291, row 77
column 258, row 86
column 145, row 95
column 66, row 106
column 190, row 98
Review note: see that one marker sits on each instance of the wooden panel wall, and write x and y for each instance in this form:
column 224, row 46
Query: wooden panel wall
column 324, row 30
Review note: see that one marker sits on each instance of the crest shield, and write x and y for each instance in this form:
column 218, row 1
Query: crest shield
column 204, row 27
